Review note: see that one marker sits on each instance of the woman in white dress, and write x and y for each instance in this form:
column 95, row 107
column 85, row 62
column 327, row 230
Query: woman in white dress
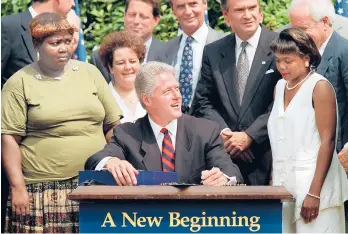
column 122, row 54
column 302, row 131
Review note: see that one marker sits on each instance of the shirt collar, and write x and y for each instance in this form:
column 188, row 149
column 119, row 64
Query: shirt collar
column 172, row 127
column 148, row 43
column 200, row 35
column 253, row 41
column 323, row 46
column 32, row 11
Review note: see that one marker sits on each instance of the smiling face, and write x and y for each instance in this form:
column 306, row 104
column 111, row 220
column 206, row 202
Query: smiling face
column 291, row 66
column 56, row 50
column 164, row 104
column 139, row 19
column 243, row 16
column 190, row 14
column 125, row 64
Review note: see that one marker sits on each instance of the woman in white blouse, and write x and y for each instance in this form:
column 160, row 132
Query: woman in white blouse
column 123, row 53
column 302, row 129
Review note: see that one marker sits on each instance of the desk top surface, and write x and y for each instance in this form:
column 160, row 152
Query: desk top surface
column 170, row 192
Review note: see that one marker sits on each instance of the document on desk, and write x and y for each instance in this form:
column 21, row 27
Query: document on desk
column 144, row 177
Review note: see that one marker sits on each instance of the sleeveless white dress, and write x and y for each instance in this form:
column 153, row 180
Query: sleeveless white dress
column 295, row 142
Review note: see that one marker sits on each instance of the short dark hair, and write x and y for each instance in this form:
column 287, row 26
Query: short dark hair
column 293, row 40
column 117, row 40
column 156, row 6
column 48, row 24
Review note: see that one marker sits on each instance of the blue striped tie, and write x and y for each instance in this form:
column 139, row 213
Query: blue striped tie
column 168, row 158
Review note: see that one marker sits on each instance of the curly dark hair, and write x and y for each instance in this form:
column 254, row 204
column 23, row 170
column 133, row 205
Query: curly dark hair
column 48, row 24
column 293, row 40
column 117, row 40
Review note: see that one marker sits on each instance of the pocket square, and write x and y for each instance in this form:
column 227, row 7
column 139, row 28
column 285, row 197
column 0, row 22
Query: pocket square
column 269, row 71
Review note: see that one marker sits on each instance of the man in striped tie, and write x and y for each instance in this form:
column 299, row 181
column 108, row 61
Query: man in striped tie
column 165, row 139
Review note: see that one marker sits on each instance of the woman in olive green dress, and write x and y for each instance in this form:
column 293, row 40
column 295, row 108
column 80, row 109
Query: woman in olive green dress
column 56, row 112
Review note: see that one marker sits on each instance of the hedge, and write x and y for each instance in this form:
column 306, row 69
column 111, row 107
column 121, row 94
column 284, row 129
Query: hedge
column 99, row 17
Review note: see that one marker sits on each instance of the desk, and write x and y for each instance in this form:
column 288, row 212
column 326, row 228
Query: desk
column 167, row 209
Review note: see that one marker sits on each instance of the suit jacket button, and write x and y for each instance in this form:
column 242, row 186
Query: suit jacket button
column 240, row 127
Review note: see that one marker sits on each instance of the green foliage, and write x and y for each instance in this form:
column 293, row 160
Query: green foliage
column 275, row 13
column 100, row 17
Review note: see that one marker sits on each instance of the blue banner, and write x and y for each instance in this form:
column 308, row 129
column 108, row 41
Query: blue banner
column 341, row 7
column 181, row 216
column 81, row 49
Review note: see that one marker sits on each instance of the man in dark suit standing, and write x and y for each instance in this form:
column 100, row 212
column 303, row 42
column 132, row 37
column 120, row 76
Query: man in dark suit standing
column 165, row 139
column 17, row 49
column 140, row 18
column 316, row 19
column 236, row 88
column 185, row 51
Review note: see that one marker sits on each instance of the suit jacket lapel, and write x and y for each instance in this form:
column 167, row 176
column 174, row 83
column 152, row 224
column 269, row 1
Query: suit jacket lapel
column 26, row 18
column 172, row 52
column 183, row 157
column 328, row 54
column 261, row 62
column 228, row 71
column 152, row 50
column 152, row 154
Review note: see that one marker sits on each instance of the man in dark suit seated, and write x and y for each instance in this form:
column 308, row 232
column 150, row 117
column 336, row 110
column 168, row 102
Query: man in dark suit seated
column 165, row 139
column 140, row 18
column 238, row 77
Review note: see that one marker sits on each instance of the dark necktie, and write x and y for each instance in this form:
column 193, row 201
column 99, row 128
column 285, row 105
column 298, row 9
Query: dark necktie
column 186, row 74
column 242, row 71
column 168, row 152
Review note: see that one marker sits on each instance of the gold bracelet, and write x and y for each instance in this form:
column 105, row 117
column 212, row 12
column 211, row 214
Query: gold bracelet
column 312, row 195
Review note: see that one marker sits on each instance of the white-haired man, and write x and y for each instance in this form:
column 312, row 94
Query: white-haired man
column 165, row 139
column 316, row 18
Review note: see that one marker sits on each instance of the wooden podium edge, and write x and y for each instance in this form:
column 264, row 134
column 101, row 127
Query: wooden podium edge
column 188, row 193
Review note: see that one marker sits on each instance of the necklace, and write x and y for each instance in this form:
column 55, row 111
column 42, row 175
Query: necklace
column 287, row 83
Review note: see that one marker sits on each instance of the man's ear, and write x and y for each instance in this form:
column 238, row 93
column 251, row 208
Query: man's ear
column 326, row 21
column 145, row 99
column 157, row 20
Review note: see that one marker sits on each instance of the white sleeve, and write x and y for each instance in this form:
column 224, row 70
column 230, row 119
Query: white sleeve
column 101, row 164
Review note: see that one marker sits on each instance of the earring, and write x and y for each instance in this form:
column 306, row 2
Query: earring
column 306, row 64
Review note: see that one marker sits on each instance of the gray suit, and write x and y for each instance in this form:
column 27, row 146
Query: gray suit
column 171, row 48
column 196, row 148
column 334, row 67
column 155, row 48
column 216, row 98
column 340, row 26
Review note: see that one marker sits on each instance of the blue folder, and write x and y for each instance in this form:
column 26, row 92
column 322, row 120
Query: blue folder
column 144, row 177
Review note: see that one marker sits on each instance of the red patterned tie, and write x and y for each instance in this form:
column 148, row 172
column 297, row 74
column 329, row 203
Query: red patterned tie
column 168, row 159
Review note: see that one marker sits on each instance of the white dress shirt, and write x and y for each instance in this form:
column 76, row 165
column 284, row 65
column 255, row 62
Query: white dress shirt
column 32, row 12
column 323, row 46
column 250, row 48
column 172, row 129
column 147, row 45
column 127, row 114
column 200, row 38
